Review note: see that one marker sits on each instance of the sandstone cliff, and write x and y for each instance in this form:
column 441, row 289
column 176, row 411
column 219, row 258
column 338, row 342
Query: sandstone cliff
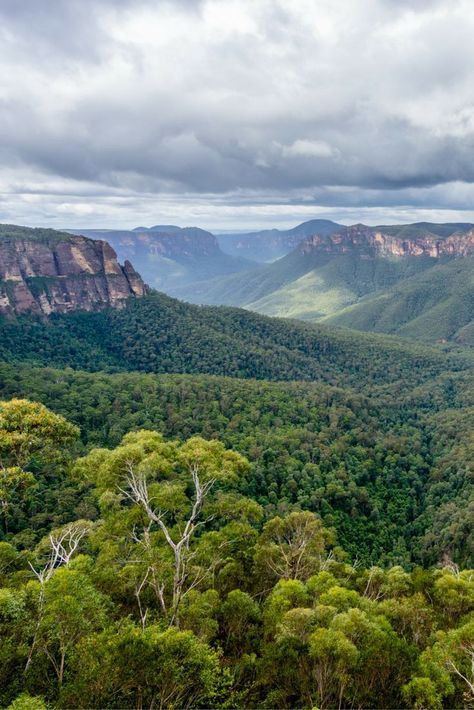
column 375, row 241
column 43, row 271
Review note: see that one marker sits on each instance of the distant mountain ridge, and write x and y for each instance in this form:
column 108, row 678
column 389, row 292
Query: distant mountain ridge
column 271, row 244
column 350, row 276
column 392, row 241
column 43, row 271
column 170, row 257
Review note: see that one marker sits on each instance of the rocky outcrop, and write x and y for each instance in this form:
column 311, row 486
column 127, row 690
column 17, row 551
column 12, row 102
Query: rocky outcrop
column 176, row 243
column 44, row 271
column 374, row 241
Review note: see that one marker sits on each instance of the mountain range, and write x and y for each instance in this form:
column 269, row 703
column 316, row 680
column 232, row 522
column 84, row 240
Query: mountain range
column 271, row 244
column 413, row 280
column 410, row 280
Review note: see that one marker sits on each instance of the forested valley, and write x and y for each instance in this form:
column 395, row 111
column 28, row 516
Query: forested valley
column 262, row 514
column 236, row 355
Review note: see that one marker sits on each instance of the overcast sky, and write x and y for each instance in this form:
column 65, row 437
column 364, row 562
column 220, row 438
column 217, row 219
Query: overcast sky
column 235, row 113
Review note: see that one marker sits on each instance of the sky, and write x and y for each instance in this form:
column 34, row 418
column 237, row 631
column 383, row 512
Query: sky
column 235, row 114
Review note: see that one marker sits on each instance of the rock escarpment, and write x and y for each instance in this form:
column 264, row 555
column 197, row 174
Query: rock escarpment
column 167, row 241
column 377, row 241
column 43, row 271
column 172, row 259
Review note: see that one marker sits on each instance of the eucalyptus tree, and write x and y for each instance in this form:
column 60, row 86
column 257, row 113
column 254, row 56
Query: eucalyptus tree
column 171, row 500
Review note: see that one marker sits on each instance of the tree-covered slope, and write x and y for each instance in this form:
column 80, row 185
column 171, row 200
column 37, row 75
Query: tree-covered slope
column 385, row 469
column 159, row 334
column 168, row 586
column 437, row 305
column 307, row 285
column 336, row 283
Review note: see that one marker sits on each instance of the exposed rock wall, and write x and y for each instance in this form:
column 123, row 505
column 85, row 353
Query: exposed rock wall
column 372, row 242
column 56, row 273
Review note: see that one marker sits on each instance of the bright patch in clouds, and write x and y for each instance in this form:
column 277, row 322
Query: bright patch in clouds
column 315, row 149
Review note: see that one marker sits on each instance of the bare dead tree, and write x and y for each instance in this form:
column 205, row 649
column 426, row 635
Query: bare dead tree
column 62, row 545
column 468, row 649
column 449, row 564
column 138, row 590
column 151, row 576
column 137, row 491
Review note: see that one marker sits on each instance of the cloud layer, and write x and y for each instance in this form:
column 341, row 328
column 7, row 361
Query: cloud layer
column 235, row 112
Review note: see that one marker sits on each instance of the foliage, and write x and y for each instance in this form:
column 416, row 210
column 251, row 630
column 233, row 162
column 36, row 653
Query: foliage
column 158, row 334
column 181, row 595
column 388, row 469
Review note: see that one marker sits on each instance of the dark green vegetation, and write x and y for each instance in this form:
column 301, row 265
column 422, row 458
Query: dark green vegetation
column 159, row 334
column 376, row 405
column 47, row 236
column 386, row 470
column 226, row 510
column 169, row 258
column 172, row 587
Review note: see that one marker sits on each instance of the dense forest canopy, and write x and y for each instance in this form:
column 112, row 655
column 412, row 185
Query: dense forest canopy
column 160, row 334
column 175, row 588
column 296, row 533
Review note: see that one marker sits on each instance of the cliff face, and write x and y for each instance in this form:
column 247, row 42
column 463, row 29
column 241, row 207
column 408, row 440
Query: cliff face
column 371, row 242
column 172, row 259
column 44, row 271
column 182, row 243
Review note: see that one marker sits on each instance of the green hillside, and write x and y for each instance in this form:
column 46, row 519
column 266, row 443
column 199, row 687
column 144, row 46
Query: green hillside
column 331, row 286
column 159, row 334
column 436, row 305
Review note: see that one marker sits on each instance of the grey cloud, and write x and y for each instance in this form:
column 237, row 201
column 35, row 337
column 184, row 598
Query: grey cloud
column 221, row 98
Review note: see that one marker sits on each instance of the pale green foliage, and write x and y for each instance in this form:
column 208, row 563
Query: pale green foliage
column 159, row 461
column 72, row 609
column 174, row 489
column 28, row 428
column 292, row 547
column 27, row 702
column 449, row 663
column 333, row 656
column 150, row 668
column 421, row 694
column 13, row 483
column 455, row 592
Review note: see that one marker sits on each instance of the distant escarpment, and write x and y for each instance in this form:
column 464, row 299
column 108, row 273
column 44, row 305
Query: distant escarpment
column 43, row 271
column 271, row 244
column 171, row 258
column 384, row 242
